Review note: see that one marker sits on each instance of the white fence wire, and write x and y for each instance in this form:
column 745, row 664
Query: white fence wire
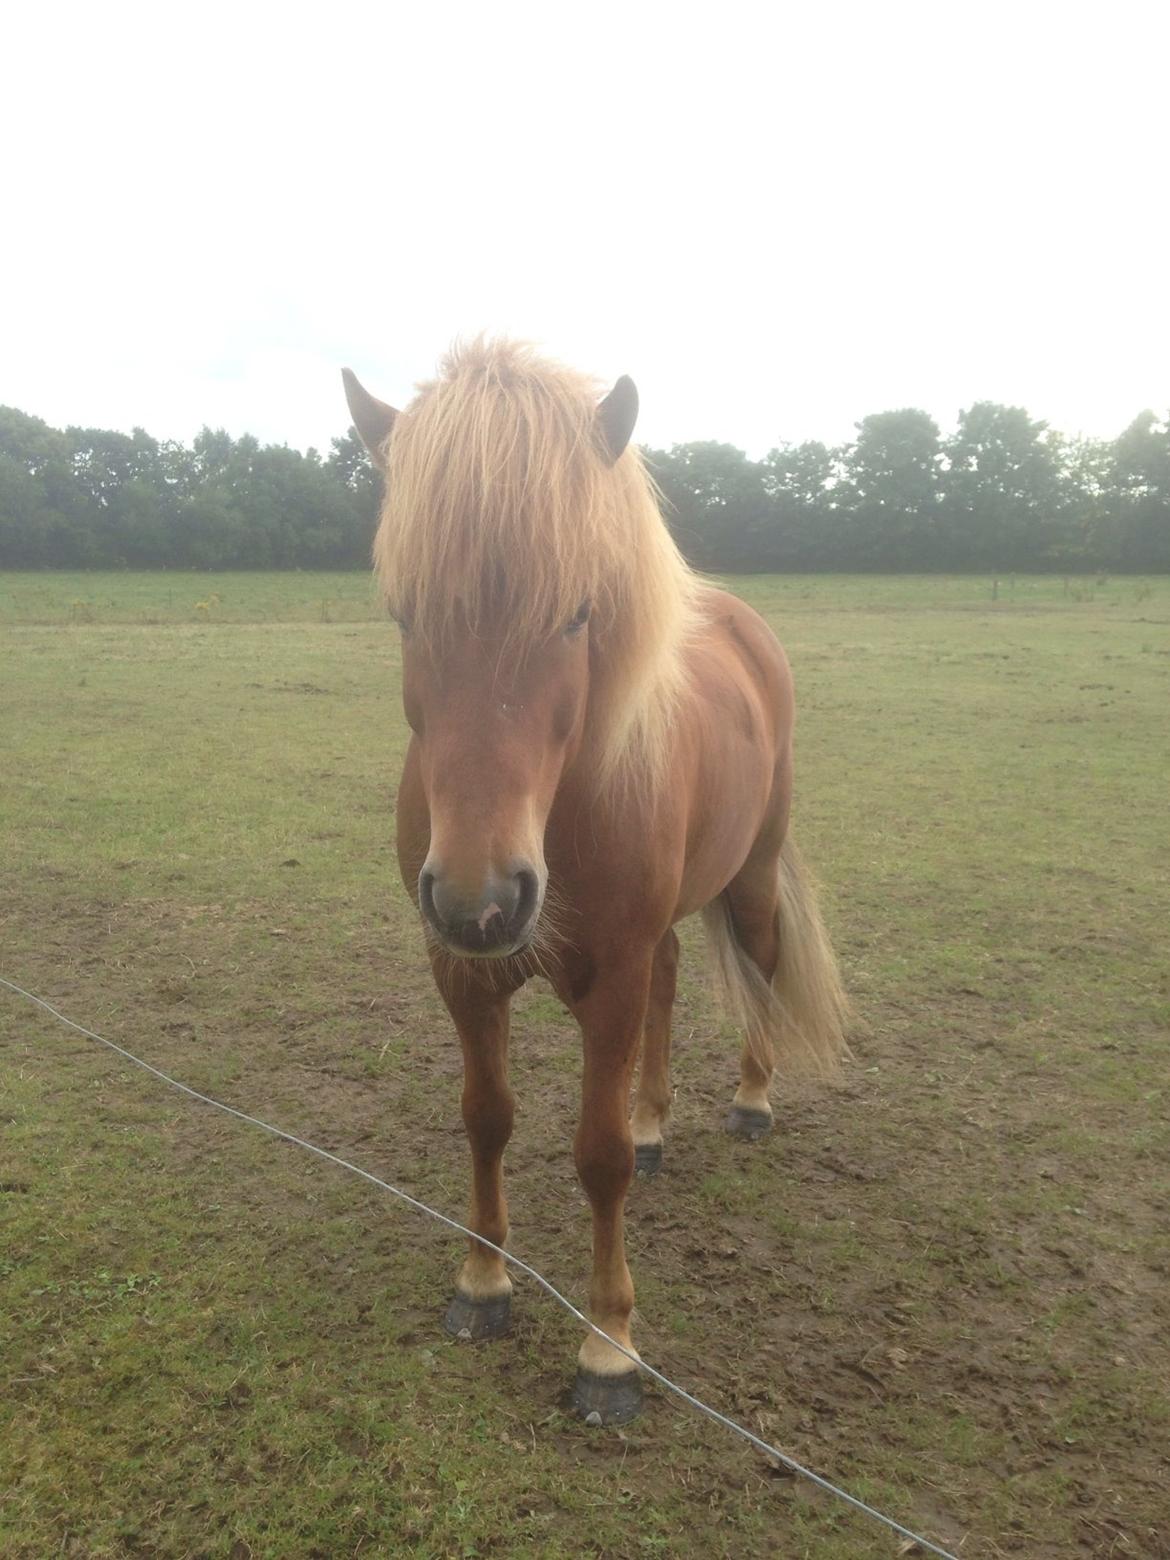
column 794, row 1467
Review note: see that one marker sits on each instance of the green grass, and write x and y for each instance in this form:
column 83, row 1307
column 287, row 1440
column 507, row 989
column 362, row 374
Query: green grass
column 943, row 1282
column 94, row 597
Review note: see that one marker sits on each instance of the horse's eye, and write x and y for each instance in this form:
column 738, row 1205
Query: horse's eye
column 579, row 620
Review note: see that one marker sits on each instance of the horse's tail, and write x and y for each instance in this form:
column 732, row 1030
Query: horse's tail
column 799, row 1020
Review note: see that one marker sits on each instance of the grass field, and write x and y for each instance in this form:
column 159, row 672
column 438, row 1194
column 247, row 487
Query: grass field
column 944, row 1282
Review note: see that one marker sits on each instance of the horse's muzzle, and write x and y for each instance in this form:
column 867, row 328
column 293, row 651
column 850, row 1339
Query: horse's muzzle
column 493, row 925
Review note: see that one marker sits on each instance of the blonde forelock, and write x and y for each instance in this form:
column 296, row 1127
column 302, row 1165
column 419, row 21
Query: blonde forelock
column 502, row 511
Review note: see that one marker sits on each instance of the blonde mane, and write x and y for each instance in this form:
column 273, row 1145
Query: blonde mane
column 501, row 507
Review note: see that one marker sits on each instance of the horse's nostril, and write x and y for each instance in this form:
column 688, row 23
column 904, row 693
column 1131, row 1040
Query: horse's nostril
column 527, row 889
column 426, row 894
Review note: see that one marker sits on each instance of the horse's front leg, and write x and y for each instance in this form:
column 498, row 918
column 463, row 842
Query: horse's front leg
column 481, row 1305
column 611, row 1016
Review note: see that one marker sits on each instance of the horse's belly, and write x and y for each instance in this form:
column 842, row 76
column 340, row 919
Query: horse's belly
column 725, row 824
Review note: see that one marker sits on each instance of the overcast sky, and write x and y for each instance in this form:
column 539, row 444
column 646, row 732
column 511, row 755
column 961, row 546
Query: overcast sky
column 776, row 218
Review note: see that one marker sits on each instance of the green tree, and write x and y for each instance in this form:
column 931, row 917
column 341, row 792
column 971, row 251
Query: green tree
column 1002, row 489
column 717, row 505
column 803, row 482
column 1137, row 523
column 891, row 490
column 1076, row 533
column 43, row 522
column 26, row 524
column 119, row 481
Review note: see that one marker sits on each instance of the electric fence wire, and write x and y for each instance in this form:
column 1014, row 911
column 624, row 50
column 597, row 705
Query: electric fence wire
column 773, row 1452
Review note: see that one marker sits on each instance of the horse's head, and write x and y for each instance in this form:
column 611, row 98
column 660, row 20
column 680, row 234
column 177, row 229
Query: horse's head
column 495, row 731
column 495, row 692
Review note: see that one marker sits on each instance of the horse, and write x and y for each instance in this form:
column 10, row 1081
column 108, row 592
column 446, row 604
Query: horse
column 601, row 744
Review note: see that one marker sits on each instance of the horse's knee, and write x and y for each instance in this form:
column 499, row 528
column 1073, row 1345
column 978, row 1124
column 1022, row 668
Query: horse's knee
column 605, row 1163
column 488, row 1119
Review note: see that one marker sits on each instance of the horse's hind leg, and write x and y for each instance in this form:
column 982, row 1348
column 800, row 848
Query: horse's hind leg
column 652, row 1100
column 776, row 964
column 752, row 903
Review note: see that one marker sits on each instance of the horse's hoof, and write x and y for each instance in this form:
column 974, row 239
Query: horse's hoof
column 647, row 1158
column 744, row 1122
column 607, row 1400
column 475, row 1320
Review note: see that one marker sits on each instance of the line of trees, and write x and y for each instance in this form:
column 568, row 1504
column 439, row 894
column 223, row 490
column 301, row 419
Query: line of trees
column 86, row 498
column 1003, row 492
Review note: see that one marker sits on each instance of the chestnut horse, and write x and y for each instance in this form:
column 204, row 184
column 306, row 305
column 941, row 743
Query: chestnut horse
column 602, row 745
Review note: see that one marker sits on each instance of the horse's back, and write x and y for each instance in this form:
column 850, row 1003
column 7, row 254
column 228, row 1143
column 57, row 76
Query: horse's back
column 750, row 657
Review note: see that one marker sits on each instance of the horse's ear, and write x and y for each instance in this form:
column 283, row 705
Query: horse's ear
column 372, row 418
column 616, row 416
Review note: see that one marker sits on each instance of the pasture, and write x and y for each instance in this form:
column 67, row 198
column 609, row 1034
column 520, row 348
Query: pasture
column 943, row 1282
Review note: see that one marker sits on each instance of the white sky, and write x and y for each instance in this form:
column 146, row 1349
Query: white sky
column 776, row 218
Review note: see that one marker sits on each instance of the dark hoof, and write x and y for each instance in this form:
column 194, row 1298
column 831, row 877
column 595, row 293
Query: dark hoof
column 475, row 1320
column 647, row 1158
column 742, row 1122
column 607, row 1400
